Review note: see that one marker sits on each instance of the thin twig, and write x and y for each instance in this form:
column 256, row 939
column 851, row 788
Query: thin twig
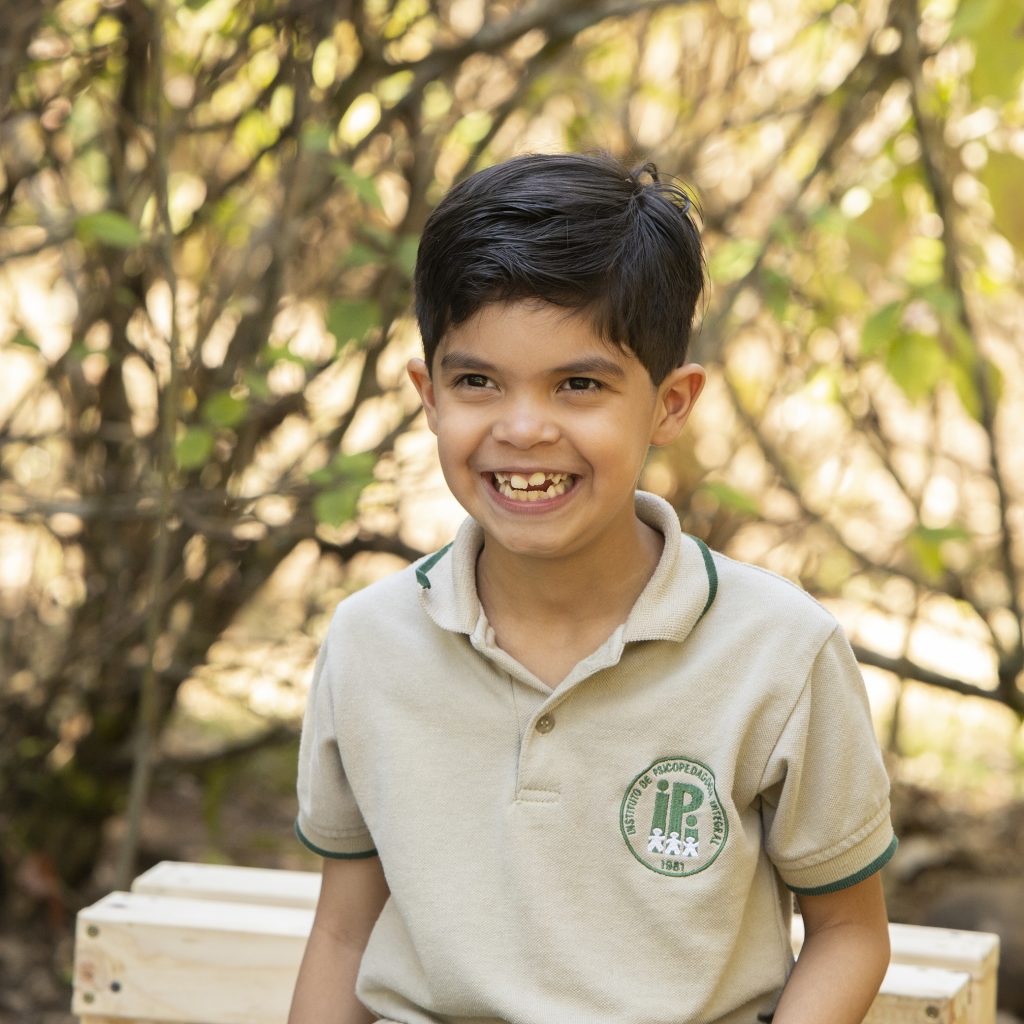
column 148, row 713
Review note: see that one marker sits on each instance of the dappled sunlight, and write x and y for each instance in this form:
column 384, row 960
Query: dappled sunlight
column 207, row 437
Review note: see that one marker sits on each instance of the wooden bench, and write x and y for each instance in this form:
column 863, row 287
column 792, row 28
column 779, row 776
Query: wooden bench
column 207, row 944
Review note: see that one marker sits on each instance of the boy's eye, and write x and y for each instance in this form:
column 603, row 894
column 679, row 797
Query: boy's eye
column 473, row 380
column 581, row 384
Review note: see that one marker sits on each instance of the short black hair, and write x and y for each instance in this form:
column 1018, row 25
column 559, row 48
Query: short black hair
column 576, row 230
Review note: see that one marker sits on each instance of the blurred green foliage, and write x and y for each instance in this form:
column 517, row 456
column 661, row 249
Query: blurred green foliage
column 235, row 188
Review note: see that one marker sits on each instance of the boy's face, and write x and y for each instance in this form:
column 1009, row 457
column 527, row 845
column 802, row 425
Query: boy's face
column 542, row 427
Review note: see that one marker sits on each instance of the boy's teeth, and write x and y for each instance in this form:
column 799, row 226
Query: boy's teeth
column 515, row 485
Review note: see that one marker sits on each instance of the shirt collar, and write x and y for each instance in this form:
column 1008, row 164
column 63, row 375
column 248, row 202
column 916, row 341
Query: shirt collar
column 681, row 588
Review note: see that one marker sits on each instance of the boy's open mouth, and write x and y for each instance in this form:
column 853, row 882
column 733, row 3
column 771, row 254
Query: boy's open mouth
column 535, row 487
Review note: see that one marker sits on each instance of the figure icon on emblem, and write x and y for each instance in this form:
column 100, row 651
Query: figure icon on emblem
column 672, row 845
column 656, row 842
column 690, row 847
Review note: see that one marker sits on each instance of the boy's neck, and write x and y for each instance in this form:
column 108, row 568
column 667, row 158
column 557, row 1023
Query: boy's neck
column 590, row 587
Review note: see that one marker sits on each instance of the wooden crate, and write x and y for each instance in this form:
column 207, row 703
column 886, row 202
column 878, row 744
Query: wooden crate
column 187, row 961
column 973, row 953
column 208, row 944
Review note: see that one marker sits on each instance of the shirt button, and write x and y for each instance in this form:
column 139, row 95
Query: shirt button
column 545, row 723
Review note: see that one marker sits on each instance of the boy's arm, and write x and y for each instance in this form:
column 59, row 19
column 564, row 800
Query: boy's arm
column 352, row 896
column 843, row 959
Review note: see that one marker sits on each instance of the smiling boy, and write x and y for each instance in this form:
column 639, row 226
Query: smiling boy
column 570, row 767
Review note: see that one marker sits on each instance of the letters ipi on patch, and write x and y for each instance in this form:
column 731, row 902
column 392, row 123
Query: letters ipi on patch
column 671, row 817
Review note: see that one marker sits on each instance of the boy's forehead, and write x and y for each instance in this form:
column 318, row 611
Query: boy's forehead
column 504, row 331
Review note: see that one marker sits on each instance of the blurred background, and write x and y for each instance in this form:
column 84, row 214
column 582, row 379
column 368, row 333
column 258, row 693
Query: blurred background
column 210, row 212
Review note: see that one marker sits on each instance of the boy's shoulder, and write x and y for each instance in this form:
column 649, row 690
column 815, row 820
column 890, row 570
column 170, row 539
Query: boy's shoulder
column 397, row 596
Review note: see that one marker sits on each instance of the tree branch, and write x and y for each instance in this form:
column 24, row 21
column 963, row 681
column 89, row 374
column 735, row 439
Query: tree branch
column 935, row 157
column 148, row 713
column 370, row 543
column 907, row 669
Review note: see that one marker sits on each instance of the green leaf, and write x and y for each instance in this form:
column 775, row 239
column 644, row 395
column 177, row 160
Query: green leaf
column 257, row 384
column 322, row 477
column 940, row 534
column 880, row 328
column 1001, row 176
column 360, row 255
column 994, row 26
column 925, row 544
column 777, row 290
column 316, row 138
column 916, row 363
column 225, row 410
column 472, row 127
column 395, row 87
column 405, row 254
column 274, row 354
column 829, row 220
column 338, row 505
column 255, row 131
column 943, row 300
column 364, row 187
column 108, row 227
column 782, row 230
column 24, row 341
column 381, row 236
column 925, row 265
column 194, row 448
column 732, row 259
column 732, row 498
column 966, row 386
column 354, row 469
column 972, row 16
column 358, row 466
column 350, row 319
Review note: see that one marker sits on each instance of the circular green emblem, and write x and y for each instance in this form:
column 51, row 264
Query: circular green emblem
column 672, row 819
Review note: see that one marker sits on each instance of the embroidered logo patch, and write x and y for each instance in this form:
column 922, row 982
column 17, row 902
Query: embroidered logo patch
column 671, row 818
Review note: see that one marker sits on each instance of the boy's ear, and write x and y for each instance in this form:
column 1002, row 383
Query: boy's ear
column 419, row 374
column 677, row 395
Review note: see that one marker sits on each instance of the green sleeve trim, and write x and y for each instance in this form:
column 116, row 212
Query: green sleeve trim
column 421, row 573
column 876, row 865
column 332, row 854
column 709, row 565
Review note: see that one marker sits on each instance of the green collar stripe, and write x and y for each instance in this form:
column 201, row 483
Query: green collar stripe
column 709, row 564
column 421, row 573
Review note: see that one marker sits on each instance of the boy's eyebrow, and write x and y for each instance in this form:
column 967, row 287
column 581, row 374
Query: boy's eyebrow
column 591, row 364
column 464, row 361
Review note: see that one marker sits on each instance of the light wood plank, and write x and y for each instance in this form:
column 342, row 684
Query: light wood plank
column 187, row 961
column 921, row 995
column 159, row 958
column 271, row 886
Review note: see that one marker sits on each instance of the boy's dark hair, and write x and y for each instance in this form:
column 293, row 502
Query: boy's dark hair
column 574, row 230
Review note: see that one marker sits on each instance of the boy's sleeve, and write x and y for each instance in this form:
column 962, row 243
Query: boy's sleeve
column 825, row 790
column 329, row 820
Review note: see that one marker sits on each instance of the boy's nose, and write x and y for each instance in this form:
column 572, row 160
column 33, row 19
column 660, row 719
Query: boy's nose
column 525, row 424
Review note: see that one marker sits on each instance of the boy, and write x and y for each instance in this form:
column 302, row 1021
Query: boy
column 568, row 768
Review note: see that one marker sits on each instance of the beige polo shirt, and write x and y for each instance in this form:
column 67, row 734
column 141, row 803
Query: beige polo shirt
column 614, row 851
